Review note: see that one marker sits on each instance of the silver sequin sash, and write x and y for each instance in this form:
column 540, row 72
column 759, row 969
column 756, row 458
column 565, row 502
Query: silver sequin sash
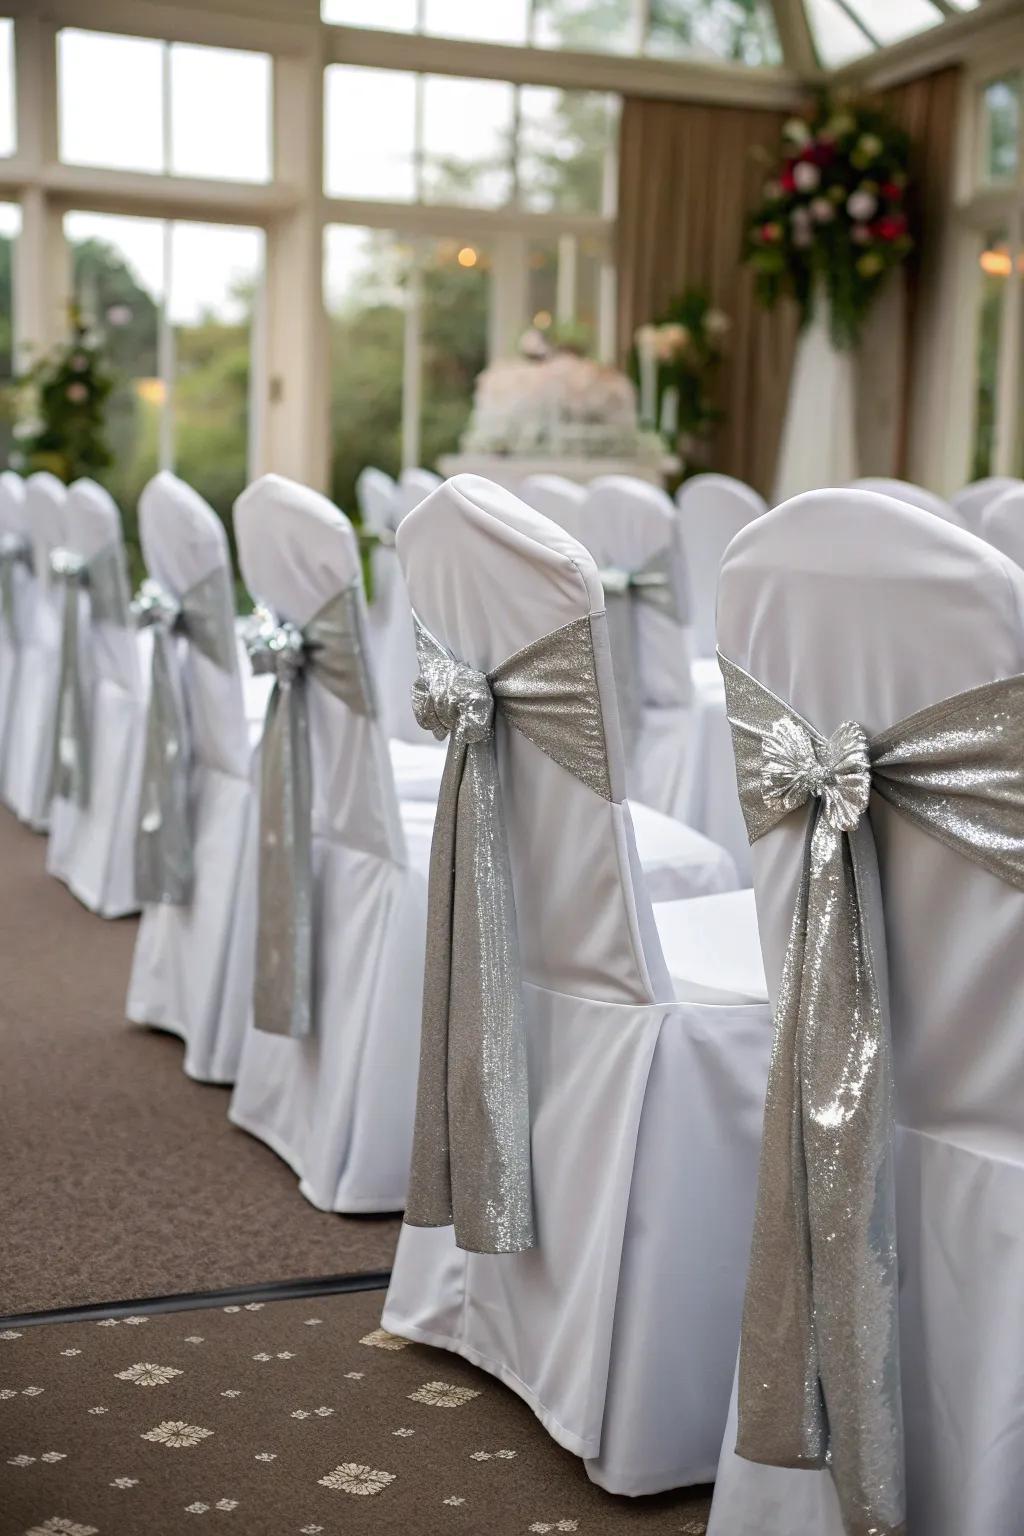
column 103, row 577
column 471, row 1148
column 15, row 551
column 819, row 1362
column 652, row 584
column 331, row 649
column 204, row 617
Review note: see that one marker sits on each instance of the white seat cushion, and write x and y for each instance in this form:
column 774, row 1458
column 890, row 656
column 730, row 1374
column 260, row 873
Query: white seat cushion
column 712, row 948
column 677, row 861
column 417, row 767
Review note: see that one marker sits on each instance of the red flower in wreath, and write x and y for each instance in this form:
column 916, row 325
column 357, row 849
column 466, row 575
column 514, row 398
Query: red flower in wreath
column 892, row 191
column 891, row 228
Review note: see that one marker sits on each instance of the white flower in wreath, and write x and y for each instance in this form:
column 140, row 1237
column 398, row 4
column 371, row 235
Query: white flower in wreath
column 822, row 211
column 806, row 176
column 175, row 1434
column 861, row 205
column 353, row 1477
column 717, row 323
column 442, row 1394
column 146, row 1374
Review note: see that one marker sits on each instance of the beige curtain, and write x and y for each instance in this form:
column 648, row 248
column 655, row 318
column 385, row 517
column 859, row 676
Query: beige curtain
column 902, row 363
column 688, row 174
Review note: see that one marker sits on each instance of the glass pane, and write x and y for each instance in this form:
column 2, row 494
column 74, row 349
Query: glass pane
column 542, row 285
column 837, row 39
column 467, row 140
column 370, row 133
column 456, row 300
column 565, row 142
column 365, row 272
column 994, row 278
column 608, row 25
column 119, row 283
column 215, row 276
column 1002, row 129
column 739, row 30
column 389, row 15
column 889, row 20
column 8, row 131
column 497, row 21
column 10, row 224
column 111, row 100
column 208, row 136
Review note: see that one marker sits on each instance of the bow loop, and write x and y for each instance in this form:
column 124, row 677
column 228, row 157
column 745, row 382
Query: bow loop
column 279, row 650
column 796, row 768
column 67, row 566
column 448, row 696
column 153, row 606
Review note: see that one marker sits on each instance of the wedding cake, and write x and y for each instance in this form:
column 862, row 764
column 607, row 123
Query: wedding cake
column 560, row 406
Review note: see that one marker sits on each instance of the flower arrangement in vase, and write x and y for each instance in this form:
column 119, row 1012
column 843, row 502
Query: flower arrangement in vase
column 675, row 362
column 59, row 404
column 833, row 219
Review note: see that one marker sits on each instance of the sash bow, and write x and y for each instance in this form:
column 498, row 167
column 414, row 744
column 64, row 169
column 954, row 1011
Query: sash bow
column 471, row 1147
column 330, row 649
column 819, row 1380
column 204, row 617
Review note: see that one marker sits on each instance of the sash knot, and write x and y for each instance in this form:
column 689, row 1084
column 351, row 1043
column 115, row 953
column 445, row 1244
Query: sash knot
column 278, row 649
column 449, row 695
column 795, row 768
column 154, row 606
column 65, row 565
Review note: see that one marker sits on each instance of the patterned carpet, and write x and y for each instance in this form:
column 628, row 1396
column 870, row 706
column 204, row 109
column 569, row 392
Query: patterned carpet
column 119, row 1177
column 293, row 1418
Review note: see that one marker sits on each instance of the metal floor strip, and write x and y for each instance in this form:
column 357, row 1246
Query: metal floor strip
column 189, row 1301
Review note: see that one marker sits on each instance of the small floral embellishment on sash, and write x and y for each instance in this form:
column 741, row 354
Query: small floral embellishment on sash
column 352, row 1477
column 175, row 1433
column 442, row 1394
column 381, row 1339
column 146, row 1374
column 59, row 1525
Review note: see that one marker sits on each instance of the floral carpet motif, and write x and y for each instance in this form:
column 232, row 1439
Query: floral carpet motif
column 292, row 1418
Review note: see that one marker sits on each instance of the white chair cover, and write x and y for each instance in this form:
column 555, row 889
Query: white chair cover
column 186, row 975
column 413, row 486
column 16, row 628
column 29, row 751
column 619, row 1329
column 972, row 501
column 912, row 495
column 558, row 498
column 1002, row 522
column 383, row 504
column 337, row 1106
column 682, row 761
column 877, row 611
column 92, row 848
column 712, row 509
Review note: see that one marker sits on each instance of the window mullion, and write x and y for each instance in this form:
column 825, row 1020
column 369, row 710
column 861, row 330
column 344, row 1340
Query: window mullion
column 166, row 352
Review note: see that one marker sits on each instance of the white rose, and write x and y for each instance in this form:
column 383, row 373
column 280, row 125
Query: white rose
column 717, row 322
column 861, row 205
column 796, row 131
column 822, row 211
column 806, row 177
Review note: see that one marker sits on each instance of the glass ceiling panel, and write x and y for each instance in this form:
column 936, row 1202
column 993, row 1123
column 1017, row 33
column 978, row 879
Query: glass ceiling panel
column 889, row 21
column 837, row 38
column 742, row 31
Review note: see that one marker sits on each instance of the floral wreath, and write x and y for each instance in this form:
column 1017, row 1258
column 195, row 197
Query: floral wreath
column 833, row 217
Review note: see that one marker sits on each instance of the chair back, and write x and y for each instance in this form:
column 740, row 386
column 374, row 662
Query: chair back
column 184, row 543
column 45, row 507
column 625, row 523
column 297, row 551
column 913, row 495
column 93, row 524
column 558, row 498
column 851, row 606
column 972, row 501
column 1002, row 522
column 15, row 520
column 413, row 486
column 488, row 576
column 376, row 496
column 713, row 509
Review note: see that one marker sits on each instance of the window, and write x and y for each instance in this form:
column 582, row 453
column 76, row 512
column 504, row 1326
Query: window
column 175, row 302
column 995, row 268
column 455, row 297
column 134, row 104
column 1001, row 129
column 740, row 30
column 8, row 130
column 10, row 224
column 486, row 143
